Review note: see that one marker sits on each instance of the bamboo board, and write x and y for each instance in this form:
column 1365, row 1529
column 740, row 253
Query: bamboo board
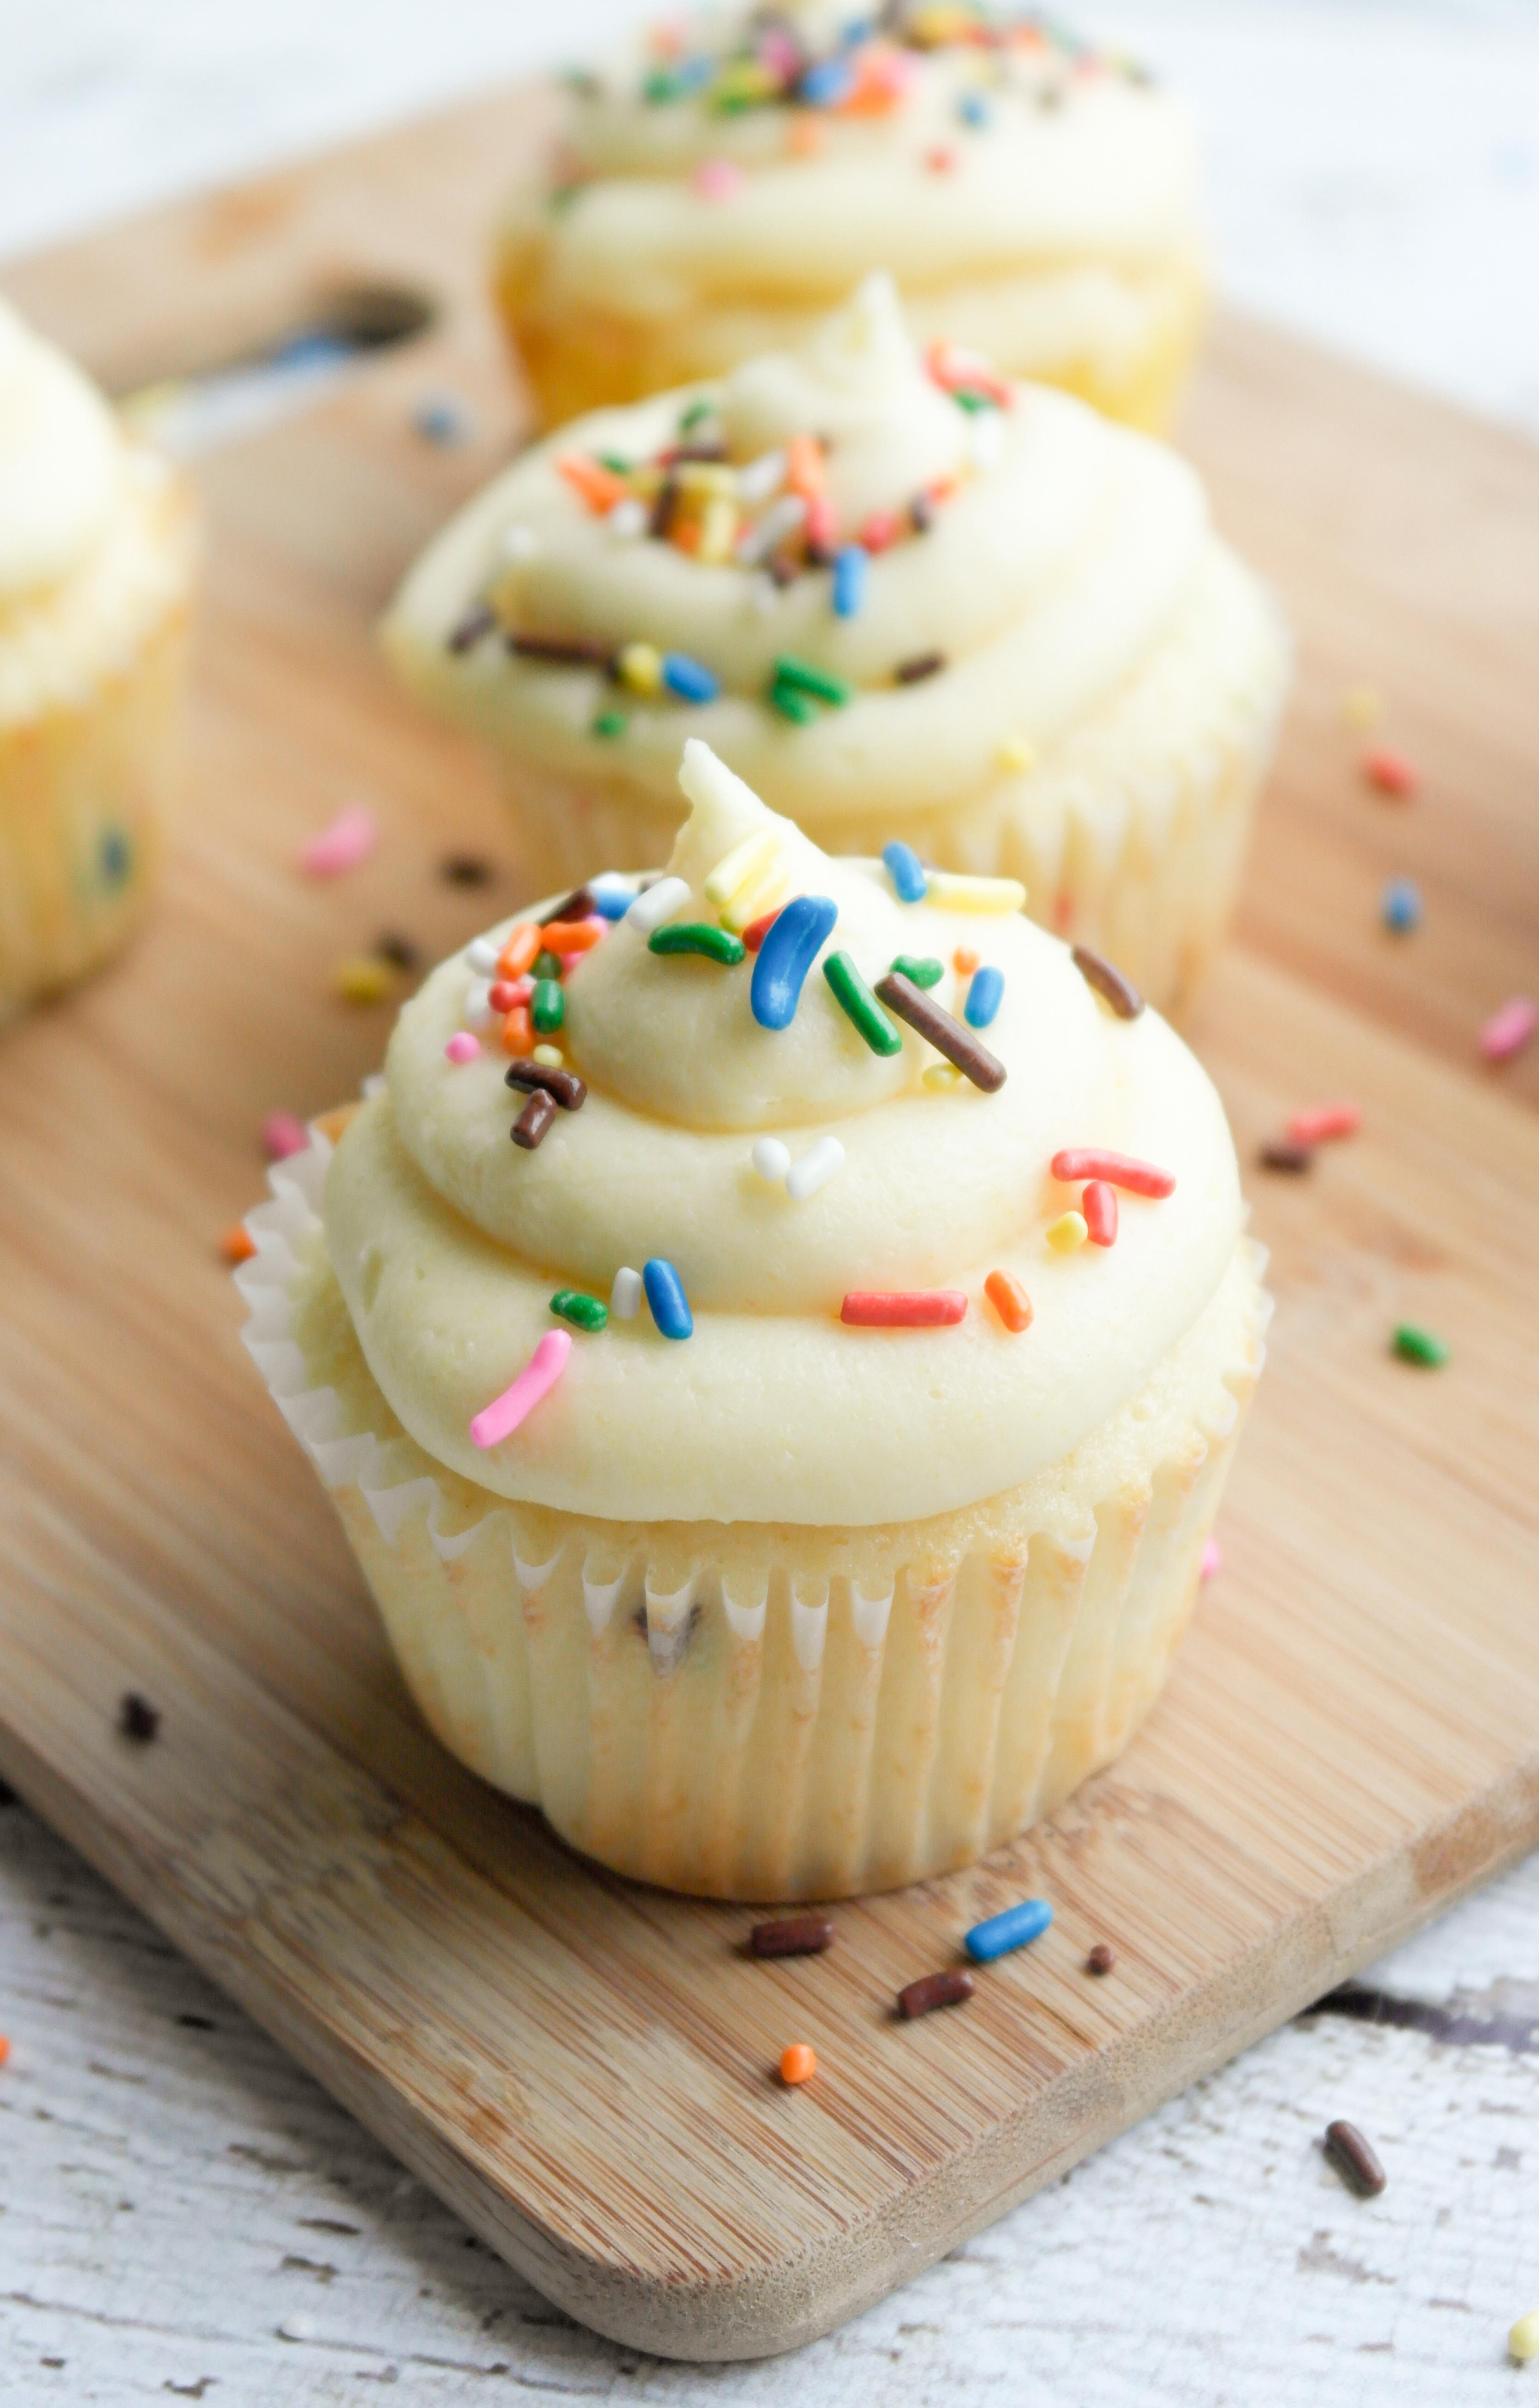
column 1351, row 1737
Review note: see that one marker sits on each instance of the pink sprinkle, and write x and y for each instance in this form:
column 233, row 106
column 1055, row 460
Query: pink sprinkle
column 1508, row 1031
column 282, row 1133
column 881, row 531
column 1316, row 1122
column 779, row 51
column 350, row 840
column 1390, row 772
column 502, row 1416
column 718, row 179
column 941, row 161
column 1213, row 1559
column 462, row 1046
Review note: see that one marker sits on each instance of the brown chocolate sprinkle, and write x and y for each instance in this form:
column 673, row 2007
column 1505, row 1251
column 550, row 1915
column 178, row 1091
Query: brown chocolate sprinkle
column 545, row 1079
column 578, row 906
column 1284, row 1154
column 466, row 869
column 398, row 950
column 564, row 651
column 664, row 509
column 922, row 1998
column 921, row 514
column 137, row 1719
column 947, row 1036
column 1100, row 1959
column 1109, row 982
column 798, row 1935
column 529, row 1128
column 682, row 452
column 1354, row 2158
column 467, row 632
column 783, row 572
column 923, row 665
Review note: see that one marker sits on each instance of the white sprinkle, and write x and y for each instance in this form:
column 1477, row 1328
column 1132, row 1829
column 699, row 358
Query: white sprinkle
column 780, row 520
column 761, row 478
column 478, row 1004
column 986, row 438
column 815, row 1170
column 626, row 1295
column 771, row 1158
column 481, row 956
column 763, row 593
column 373, row 1085
column 658, row 903
column 519, row 543
column 627, row 519
column 296, row 2327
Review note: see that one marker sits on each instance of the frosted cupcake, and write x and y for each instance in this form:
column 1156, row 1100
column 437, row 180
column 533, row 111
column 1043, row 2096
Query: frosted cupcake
column 97, row 554
column 732, row 176
column 787, row 1462
column 903, row 599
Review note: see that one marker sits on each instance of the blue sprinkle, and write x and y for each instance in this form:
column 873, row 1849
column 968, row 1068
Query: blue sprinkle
column 611, row 898
column 906, row 870
column 442, row 420
column 115, row 857
column 973, row 109
column 690, row 74
column 1400, row 905
column 1011, row 1929
column 826, row 85
column 787, row 953
column 665, row 1298
column 850, row 564
column 984, row 997
column 690, row 679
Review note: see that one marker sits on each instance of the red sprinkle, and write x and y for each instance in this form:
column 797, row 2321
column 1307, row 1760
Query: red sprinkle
column 1391, row 771
column 914, row 1308
column 1319, row 1121
column 756, row 930
column 1098, row 1205
column 1117, row 1170
column 508, row 994
column 880, row 531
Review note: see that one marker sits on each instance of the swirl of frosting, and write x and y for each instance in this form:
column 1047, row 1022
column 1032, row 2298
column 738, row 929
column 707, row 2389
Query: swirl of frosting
column 449, row 1242
column 1060, row 551
column 61, row 461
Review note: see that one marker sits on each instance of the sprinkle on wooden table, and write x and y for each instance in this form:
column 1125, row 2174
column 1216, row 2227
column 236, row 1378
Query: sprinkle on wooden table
column 1413, row 1344
column 1108, row 982
column 1313, row 1124
column 1390, row 772
column 362, row 980
column 5, row 2053
column 950, row 1989
column 814, row 1169
column 282, row 1133
column 237, row 1245
column 1508, row 1031
column 1067, row 1233
column 797, row 2064
column 906, row 870
column 922, row 968
column 350, row 840
column 469, row 629
column 968, row 1053
column 1523, row 2340
column 1211, row 1562
column 583, row 1311
column 698, row 937
column 1124, row 1170
column 1015, row 1928
column 785, row 955
column 137, row 1719
column 565, row 1087
column 859, row 1005
column 952, row 889
column 1354, row 2158
column 625, row 1294
column 771, row 1158
column 1100, row 1960
column 984, row 997
column 1282, row 1153
column 1399, row 906
column 528, row 1130
column 1099, row 1205
column 665, row 1298
column 918, row 1308
column 794, row 1935
column 502, row 1416
column 1362, row 708
column 1009, row 1301
column 656, row 904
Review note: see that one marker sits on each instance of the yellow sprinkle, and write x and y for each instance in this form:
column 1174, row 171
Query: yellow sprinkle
column 698, row 478
column 942, row 1075
column 1363, row 706
column 549, row 1057
column 641, row 669
column 361, row 978
column 1069, row 1231
column 1523, row 2340
column 1015, row 752
column 718, row 531
column 948, row 891
column 735, row 868
column 765, row 893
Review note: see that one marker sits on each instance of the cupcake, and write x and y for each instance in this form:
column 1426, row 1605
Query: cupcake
column 730, row 178
column 789, row 1461
column 97, row 552
column 902, row 597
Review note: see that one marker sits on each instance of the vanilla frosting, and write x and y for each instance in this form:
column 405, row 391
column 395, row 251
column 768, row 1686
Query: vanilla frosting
column 1064, row 555
column 449, row 1241
column 61, row 461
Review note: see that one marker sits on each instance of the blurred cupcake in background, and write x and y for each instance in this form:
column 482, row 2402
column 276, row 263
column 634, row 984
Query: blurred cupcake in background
column 98, row 552
column 727, row 180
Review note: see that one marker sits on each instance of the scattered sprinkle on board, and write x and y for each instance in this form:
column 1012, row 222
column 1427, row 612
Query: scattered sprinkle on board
column 952, row 1987
column 794, row 1935
column 797, row 2064
column 1413, row 1344
column 1001, row 1934
column 1354, row 2158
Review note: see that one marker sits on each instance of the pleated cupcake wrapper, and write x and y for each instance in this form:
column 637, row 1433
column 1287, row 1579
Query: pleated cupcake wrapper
column 809, row 1718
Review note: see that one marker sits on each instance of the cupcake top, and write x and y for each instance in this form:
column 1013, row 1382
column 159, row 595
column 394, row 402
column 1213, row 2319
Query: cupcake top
column 862, row 1207
column 772, row 155
column 60, row 463
column 864, row 574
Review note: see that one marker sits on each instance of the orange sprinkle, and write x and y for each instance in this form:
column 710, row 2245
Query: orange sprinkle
column 804, row 139
column 1390, row 772
column 941, row 161
column 685, row 535
column 964, row 961
column 518, row 1032
column 237, row 1245
column 798, row 2063
column 940, row 489
column 599, row 487
column 1009, row 1301
column 804, row 467
column 520, row 950
column 571, row 936
column 4, row 2049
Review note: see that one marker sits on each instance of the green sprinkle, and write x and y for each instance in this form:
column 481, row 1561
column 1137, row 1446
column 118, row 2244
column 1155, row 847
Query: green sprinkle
column 659, row 86
column 583, row 1311
column 923, row 969
column 546, row 966
column 547, row 1006
column 792, row 705
column 615, row 461
column 973, row 402
column 698, row 937
column 694, row 414
column 1414, row 1345
column 805, row 677
column 859, row 1005
column 610, row 723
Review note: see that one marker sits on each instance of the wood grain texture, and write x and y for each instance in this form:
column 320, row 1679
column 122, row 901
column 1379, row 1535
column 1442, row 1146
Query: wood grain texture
column 1351, row 1737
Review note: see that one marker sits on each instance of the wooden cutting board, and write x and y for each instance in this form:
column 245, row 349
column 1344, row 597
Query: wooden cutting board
column 1351, row 1738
